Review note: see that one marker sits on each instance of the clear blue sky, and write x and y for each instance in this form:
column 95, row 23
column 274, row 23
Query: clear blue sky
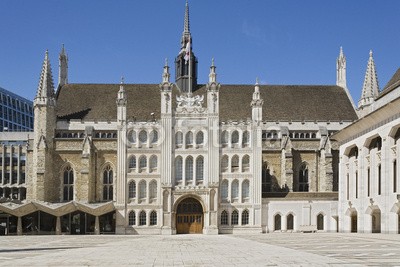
column 281, row 42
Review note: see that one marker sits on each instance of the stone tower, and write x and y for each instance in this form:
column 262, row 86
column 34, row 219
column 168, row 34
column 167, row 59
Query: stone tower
column 182, row 67
column 44, row 124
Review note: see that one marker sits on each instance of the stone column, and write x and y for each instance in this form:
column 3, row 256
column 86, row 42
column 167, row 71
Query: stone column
column 58, row 225
column 19, row 226
column 97, row 226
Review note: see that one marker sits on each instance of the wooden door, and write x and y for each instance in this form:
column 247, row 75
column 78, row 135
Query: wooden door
column 189, row 223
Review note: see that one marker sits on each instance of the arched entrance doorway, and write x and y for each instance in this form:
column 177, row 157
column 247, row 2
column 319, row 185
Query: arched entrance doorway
column 353, row 223
column 189, row 217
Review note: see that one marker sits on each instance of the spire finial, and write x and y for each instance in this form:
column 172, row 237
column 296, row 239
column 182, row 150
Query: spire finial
column 166, row 62
column 122, row 79
column 212, row 62
column 257, row 81
column 186, row 27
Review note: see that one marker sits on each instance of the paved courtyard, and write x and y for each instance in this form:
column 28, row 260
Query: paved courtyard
column 294, row 249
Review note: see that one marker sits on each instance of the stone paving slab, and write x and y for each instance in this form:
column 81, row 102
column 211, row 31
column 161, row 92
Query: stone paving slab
column 202, row 250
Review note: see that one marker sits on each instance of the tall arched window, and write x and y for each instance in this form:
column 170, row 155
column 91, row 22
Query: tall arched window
column 290, row 221
column 235, row 137
column 199, row 138
column 224, row 190
column 142, row 218
column 235, row 191
column 132, row 218
column 132, row 189
column 224, row 138
column 277, row 220
column 245, row 191
column 245, row 217
column 245, row 163
column 143, row 137
column 153, row 218
column 178, row 139
column 142, row 189
column 108, row 183
column 178, row 169
column 132, row 162
column 235, row 163
column 199, row 169
column 132, row 137
column 189, row 169
column 266, row 181
column 303, row 178
column 224, row 217
column 224, row 163
column 320, row 222
column 153, row 163
column 235, row 217
column 153, row 190
column 189, row 138
column 142, row 163
column 246, row 139
column 154, row 137
column 68, row 184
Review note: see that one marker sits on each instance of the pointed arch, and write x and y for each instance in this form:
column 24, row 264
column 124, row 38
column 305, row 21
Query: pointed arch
column 153, row 163
column 246, row 191
column 277, row 222
column 224, row 138
column 153, row 190
column 142, row 218
column 246, row 139
column 320, row 221
column 245, row 217
column 199, row 169
column 224, row 190
column 142, row 189
column 235, row 190
column 132, row 162
column 108, row 182
column 154, row 137
column 246, row 163
column 235, row 163
column 235, row 217
column 189, row 138
column 290, row 221
column 153, row 217
column 132, row 218
column 224, row 163
column 178, row 139
column 235, row 137
column 143, row 137
column 142, row 163
column 189, row 169
column 200, row 138
column 303, row 178
column 224, row 217
column 178, row 169
column 132, row 189
column 68, row 183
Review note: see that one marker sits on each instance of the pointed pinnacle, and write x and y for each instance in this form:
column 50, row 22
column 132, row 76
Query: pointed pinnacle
column 370, row 53
column 256, row 80
column 122, row 79
column 212, row 62
column 186, row 28
column 166, row 62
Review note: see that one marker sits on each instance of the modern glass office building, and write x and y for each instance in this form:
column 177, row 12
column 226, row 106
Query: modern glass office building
column 16, row 112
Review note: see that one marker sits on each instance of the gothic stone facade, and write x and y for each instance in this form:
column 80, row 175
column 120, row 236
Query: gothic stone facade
column 182, row 158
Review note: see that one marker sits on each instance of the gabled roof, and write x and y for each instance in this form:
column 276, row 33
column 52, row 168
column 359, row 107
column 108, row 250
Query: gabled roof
column 281, row 102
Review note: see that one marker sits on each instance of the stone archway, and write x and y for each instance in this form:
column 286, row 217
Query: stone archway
column 189, row 216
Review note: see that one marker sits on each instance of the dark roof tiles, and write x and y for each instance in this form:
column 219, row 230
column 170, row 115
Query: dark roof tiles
column 281, row 102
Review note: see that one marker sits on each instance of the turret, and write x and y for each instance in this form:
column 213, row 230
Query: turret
column 165, row 88
column 256, row 104
column 341, row 70
column 213, row 90
column 62, row 68
column 370, row 87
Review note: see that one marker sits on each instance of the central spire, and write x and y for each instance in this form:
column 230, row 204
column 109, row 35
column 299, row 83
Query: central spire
column 184, row 65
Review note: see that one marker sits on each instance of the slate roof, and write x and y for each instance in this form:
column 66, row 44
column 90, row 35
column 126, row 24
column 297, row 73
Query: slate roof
column 392, row 84
column 281, row 102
